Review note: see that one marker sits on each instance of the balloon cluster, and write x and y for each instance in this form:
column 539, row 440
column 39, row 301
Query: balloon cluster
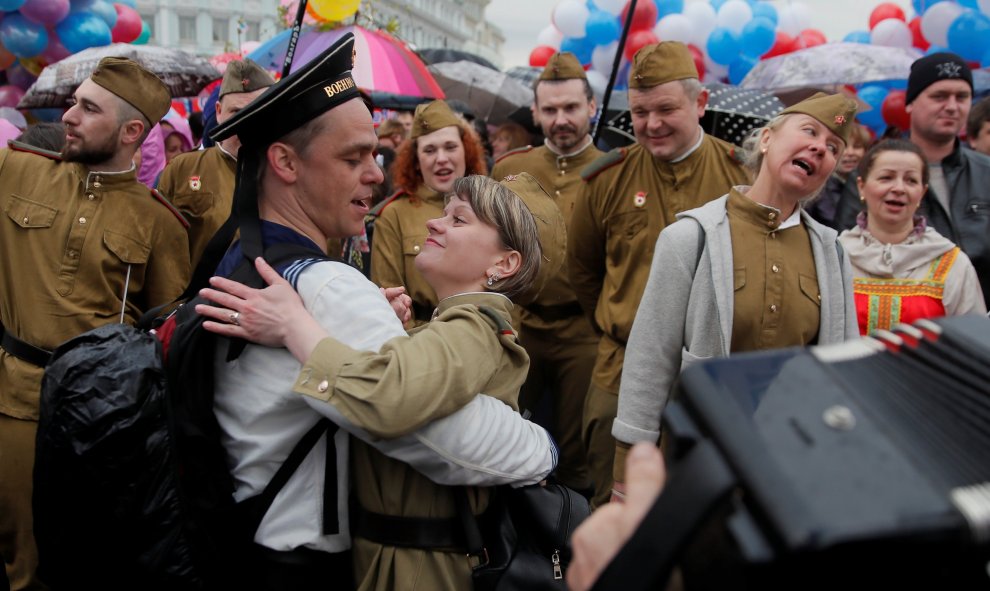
column 36, row 33
column 318, row 12
column 728, row 37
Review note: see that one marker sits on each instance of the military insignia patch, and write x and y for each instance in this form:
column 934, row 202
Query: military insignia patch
column 640, row 199
column 194, row 183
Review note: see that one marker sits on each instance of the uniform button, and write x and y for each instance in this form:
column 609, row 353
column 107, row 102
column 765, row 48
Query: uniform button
column 82, row 220
column 558, row 193
column 775, row 269
column 90, row 196
column 773, row 307
column 323, row 386
column 416, row 248
column 25, row 220
column 97, row 184
column 819, row 297
column 562, row 173
column 73, row 254
column 772, row 215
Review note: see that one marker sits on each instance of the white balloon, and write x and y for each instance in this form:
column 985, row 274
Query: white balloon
column 674, row 27
column 892, row 32
column 936, row 20
column 603, row 56
column 703, row 20
column 793, row 18
column 598, row 82
column 570, row 17
column 550, row 37
column 984, row 6
column 718, row 71
column 734, row 15
column 611, row 6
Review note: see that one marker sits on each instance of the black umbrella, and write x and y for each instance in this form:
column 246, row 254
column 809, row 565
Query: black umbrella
column 436, row 55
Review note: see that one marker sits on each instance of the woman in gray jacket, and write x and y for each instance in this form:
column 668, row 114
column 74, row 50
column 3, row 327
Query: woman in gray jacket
column 748, row 271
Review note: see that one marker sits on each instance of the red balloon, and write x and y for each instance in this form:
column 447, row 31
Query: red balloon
column 638, row 40
column 918, row 39
column 699, row 60
column 540, row 55
column 644, row 17
column 783, row 44
column 128, row 27
column 893, row 110
column 885, row 11
column 809, row 38
column 10, row 95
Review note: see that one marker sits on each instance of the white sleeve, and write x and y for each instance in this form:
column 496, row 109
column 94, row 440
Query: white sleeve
column 485, row 443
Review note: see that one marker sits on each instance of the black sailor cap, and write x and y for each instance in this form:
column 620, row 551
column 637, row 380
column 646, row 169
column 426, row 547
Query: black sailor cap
column 307, row 93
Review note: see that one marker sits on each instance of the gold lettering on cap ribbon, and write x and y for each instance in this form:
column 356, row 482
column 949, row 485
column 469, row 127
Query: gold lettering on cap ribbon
column 338, row 87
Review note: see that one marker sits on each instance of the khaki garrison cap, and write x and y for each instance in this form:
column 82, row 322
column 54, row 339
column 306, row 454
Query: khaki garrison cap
column 244, row 76
column 661, row 63
column 834, row 111
column 140, row 88
column 563, row 65
column 433, row 116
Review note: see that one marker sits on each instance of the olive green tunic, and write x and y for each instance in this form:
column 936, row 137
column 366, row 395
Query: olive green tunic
column 400, row 232
column 777, row 303
column 201, row 185
column 629, row 197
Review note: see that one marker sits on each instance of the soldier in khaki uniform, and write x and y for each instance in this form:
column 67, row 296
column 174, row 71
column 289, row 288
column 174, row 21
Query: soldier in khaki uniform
column 82, row 244
column 748, row 271
column 441, row 149
column 629, row 196
column 201, row 183
column 559, row 339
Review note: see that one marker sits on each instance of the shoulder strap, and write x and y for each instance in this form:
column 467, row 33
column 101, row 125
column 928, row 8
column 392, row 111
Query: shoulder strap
column 168, row 205
column 503, row 327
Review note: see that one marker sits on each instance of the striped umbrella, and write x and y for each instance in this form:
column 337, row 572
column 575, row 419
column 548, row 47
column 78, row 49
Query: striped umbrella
column 383, row 64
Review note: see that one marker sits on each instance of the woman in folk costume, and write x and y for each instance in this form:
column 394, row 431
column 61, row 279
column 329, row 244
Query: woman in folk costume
column 745, row 272
column 441, row 149
column 903, row 270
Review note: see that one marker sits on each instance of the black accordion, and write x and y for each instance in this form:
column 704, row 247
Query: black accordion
column 864, row 465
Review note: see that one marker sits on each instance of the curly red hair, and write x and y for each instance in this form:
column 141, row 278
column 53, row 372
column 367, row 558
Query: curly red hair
column 405, row 171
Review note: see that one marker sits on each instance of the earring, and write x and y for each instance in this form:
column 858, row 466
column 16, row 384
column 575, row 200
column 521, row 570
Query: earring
column 493, row 278
column 862, row 199
column 763, row 151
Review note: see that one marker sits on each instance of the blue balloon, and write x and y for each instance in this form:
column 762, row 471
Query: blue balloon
column 969, row 35
column 716, row 4
column 935, row 49
column 80, row 5
column 83, row 30
column 758, row 36
column 665, row 7
column 739, row 68
column 766, row 10
column 580, row 47
column 974, row 4
column 724, row 46
column 602, row 28
column 21, row 37
column 857, row 37
column 892, row 84
column 11, row 5
column 131, row 3
column 105, row 11
column 920, row 6
column 873, row 95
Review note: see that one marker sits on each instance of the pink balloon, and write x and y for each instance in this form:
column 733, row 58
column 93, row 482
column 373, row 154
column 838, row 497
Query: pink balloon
column 10, row 95
column 45, row 12
column 128, row 26
column 55, row 50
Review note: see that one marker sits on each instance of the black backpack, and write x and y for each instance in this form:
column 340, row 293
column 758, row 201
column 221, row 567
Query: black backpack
column 131, row 485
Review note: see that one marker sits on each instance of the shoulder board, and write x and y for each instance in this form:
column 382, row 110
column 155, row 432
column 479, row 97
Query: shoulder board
column 604, row 163
column 378, row 209
column 178, row 214
column 501, row 326
column 22, row 147
column 737, row 155
column 521, row 150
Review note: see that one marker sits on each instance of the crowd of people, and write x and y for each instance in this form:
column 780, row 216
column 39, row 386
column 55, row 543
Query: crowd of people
column 489, row 282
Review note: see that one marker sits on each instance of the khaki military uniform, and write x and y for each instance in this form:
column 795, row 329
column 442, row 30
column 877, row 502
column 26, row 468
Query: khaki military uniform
column 400, row 232
column 560, row 340
column 71, row 242
column 628, row 198
column 385, row 486
column 201, row 185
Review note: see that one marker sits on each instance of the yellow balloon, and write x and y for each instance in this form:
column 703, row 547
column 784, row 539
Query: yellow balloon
column 334, row 10
column 32, row 65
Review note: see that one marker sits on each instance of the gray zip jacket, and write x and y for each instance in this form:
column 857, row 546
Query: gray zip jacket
column 685, row 315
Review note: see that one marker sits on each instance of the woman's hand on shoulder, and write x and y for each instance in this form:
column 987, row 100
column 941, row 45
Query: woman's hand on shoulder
column 400, row 302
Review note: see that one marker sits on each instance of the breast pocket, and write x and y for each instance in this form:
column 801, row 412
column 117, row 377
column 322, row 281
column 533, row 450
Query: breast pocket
column 738, row 278
column 194, row 204
column 412, row 245
column 809, row 287
column 29, row 214
column 128, row 249
column 625, row 232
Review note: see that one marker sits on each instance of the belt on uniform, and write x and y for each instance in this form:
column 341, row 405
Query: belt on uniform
column 558, row 312
column 22, row 350
column 424, row 533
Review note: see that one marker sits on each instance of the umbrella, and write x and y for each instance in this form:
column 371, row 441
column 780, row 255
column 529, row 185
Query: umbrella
column 184, row 73
column 383, row 64
column 492, row 95
column 732, row 112
column 525, row 74
column 832, row 64
column 436, row 55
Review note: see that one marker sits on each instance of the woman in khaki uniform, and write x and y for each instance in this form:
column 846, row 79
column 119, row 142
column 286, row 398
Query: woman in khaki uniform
column 749, row 271
column 494, row 240
column 441, row 150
